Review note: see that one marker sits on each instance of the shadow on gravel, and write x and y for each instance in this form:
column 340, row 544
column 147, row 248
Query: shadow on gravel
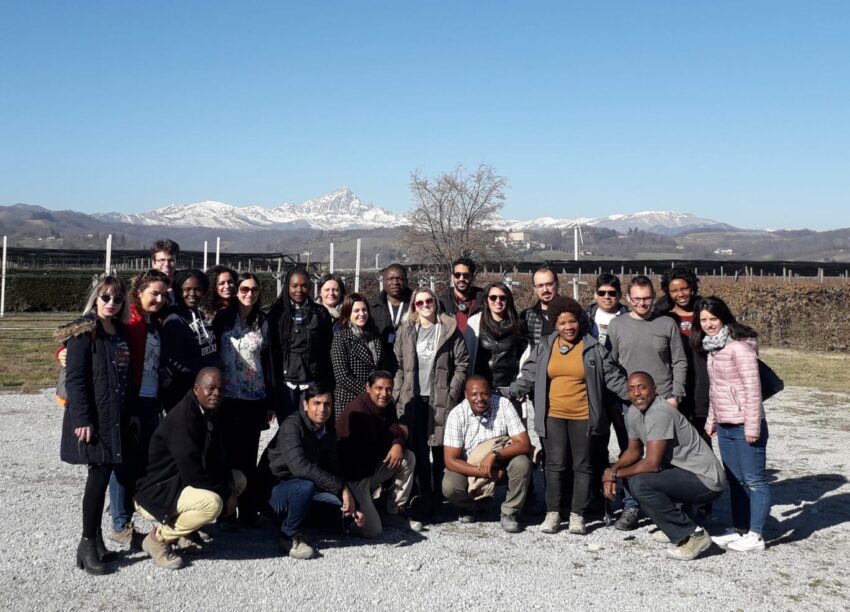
column 813, row 512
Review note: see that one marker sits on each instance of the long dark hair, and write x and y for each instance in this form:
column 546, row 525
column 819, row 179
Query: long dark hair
column 348, row 307
column 717, row 307
column 181, row 276
column 225, row 319
column 488, row 323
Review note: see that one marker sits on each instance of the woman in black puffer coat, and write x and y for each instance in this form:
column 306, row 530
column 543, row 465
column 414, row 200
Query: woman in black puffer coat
column 97, row 375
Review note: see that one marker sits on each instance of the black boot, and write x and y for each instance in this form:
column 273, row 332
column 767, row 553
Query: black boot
column 103, row 553
column 87, row 557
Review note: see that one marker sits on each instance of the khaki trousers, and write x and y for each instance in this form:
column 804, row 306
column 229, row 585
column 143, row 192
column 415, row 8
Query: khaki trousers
column 456, row 487
column 363, row 489
column 195, row 508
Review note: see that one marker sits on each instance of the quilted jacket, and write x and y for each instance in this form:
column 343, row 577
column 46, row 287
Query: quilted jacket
column 735, row 390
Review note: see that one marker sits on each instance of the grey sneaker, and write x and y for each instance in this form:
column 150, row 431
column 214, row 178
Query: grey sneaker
column 296, row 547
column 577, row 525
column 628, row 520
column 125, row 536
column 698, row 542
column 467, row 517
column 161, row 552
column 552, row 523
column 509, row 523
column 402, row 521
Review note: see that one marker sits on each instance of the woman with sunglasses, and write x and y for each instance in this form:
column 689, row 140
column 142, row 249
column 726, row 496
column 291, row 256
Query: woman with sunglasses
column 148, row 296
column 432, row 364
column 188, row 340
column 736, row 417
column 681, row 292
column 242, row 335
column 357, row 350
column 223, row 290
column 331, row 294
column 97, row 378
column 495, row 338
column 569, row 372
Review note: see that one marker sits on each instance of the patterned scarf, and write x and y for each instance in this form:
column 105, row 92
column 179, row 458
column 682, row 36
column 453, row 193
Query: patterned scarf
column 717, row 342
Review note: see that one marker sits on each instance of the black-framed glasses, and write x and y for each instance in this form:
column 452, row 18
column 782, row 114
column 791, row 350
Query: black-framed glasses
column 641, row 300
column 115, row 299
column 604, row 293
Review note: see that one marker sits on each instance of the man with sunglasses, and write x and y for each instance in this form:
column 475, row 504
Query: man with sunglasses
column 644, row 341
column 606, row 306
column 462, row 299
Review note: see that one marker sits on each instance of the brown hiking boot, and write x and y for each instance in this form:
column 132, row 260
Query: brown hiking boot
column 125, row 536
column 161, row 551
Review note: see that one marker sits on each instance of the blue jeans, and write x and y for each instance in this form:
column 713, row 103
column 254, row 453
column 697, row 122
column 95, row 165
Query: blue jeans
column 291, row 501
column 744, row 463
column 122, row 482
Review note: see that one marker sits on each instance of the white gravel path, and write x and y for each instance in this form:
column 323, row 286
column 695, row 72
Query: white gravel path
column 466, row 566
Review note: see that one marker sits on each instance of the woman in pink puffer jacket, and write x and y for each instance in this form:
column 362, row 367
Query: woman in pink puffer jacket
column 736, row 417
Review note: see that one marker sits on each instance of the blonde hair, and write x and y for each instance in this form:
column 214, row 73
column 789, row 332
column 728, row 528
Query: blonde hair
column 413, row 314
column 117, row 287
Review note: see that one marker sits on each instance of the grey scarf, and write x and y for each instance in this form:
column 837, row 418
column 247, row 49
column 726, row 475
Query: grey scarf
column 715, row 343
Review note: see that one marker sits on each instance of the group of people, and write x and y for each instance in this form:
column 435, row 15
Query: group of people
column 387, row 406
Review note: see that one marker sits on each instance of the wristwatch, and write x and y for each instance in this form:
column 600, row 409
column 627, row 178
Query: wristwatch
column 614, row 475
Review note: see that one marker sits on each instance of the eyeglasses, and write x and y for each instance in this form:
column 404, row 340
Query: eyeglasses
column 425, row 302
column 459, row 275
column 164, row 261
column 222, row 283
column 116, row 299
column 497, row 298
column 642, row 300
column 602, row 293
column 245, row 290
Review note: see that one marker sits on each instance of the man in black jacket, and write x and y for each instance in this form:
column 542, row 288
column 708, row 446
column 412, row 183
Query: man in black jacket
column 372, row 451
column 389, row 308
column 534, row 317
column 187, row 484
column 302, row 468
column 463, row 299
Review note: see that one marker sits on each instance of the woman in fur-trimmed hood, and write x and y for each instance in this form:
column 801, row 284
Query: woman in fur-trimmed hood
column 96, row 381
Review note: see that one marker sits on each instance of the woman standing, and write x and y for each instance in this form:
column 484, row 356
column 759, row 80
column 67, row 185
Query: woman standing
column 242, row 347
column 736, row 416
column 681, row 287
column 188, row 341
column 300, row 332
column 222, row 290
column 495, row 338
column 571, row 370
column 331, row 294
column 357, row 351
column 432, row 364
column 148, row 295
column 96, row 380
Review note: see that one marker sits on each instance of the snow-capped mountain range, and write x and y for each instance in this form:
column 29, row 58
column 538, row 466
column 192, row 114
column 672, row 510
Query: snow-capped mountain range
column 343, row 210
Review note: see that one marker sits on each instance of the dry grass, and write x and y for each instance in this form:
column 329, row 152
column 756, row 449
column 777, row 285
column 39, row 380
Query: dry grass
column 26, row 350
column 817, row 370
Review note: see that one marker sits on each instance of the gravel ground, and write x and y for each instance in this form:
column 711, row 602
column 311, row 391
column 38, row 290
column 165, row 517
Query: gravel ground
column 470, row 566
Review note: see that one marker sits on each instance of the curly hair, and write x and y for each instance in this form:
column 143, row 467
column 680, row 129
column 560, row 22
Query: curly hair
column 562, row 304
column 143, row 281
column 679, row 273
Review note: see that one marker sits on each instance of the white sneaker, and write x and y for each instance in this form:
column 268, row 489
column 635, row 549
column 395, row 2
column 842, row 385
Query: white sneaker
column 748, row 543
column 726, row 538
column 552, row 523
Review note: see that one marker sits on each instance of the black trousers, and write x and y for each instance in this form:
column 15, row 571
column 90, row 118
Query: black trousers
column 94, row 497
column 567, row 471
column 429, row 474
column 242, row 421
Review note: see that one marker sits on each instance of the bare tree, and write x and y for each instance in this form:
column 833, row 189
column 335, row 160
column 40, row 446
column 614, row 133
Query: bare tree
column 454, row 212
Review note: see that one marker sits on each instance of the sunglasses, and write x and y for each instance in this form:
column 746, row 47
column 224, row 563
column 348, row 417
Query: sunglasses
column 425, row 302
column 601, row 293
column 497, row 298
column 461, row 274
column 246, row 290
column 116, row 299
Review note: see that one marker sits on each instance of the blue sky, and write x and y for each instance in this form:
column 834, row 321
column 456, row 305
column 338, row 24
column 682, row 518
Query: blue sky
column 736, row 111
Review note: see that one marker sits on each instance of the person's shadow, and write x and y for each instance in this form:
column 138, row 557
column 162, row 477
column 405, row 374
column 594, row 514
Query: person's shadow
column 814, row 511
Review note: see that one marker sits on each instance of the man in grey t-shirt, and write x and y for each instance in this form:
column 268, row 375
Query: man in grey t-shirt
column 678, row 467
